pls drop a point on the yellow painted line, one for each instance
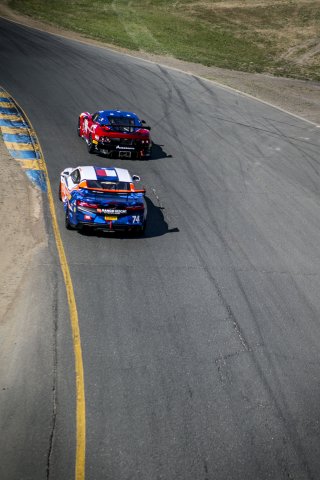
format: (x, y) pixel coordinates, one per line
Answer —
(6, 116)
(80, 391)
(7, 104)
(30, 164)
(14, 130)
(19, 146)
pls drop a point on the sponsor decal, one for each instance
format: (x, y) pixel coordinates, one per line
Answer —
(111, 211)
(120, 147)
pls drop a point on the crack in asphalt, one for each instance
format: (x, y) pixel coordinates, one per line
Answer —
(54, 383)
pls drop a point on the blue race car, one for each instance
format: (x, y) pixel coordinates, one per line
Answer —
(102, 198)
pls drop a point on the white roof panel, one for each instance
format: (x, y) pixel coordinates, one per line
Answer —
(88, 173)
(123, 175)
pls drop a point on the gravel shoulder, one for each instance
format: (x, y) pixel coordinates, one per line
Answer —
(22, 232)
(299, 97)
(28, 281)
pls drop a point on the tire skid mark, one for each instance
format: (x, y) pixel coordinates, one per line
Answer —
(54, 386)
(280, 406)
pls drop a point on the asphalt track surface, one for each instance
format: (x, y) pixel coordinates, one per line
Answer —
(200, 341)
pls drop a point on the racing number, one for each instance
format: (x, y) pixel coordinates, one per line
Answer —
(135, 218)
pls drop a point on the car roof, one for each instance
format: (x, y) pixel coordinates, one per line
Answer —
(118, 113)
(113, 174)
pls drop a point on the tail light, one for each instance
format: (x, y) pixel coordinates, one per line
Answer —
(133, 208)
(80, 203)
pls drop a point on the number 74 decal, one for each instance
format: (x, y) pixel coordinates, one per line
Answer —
(135, 218)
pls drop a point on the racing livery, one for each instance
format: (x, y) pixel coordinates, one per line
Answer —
(102, 197)
(115, 133)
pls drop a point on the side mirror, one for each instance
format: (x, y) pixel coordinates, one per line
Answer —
(143, 121)
(67, 171)
(136, 178)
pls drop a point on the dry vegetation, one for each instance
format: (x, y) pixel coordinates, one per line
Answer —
(290, 27)
(281, 37)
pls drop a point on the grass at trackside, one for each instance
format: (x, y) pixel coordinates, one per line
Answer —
(273, 36)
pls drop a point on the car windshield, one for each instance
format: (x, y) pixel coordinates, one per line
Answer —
(108, 185)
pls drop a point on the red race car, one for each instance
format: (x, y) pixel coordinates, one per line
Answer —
(115, 133)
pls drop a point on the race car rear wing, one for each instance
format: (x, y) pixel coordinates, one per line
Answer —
(128, 192)
(129, 127)
(116, 191)
(132, 189)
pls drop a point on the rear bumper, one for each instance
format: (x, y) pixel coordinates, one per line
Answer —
(123, 150)
(111, 227)
(122, 223)
(82, 217)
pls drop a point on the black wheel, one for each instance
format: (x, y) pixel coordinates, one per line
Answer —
(149, 154)
(78, 129)
(67, 221)
(91, 146)
(139, 231)
(59, 194)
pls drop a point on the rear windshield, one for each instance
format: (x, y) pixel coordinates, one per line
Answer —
(108, 185)
(119, 124)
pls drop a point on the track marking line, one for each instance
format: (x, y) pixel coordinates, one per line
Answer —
(15, 130)
(6, 104)
(30, 164)
(19, 146)
(79, 372)
(11, 117)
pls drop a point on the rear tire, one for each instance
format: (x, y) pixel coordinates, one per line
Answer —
(140, 231)
(91, 146)
(148, 153)
(67, 221)
(59, 194)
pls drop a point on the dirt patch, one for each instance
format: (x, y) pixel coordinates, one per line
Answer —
(22, 230)
(241, 3)
(305, 53)
(300, 97)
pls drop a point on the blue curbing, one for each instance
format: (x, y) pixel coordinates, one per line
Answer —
(31, 160)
